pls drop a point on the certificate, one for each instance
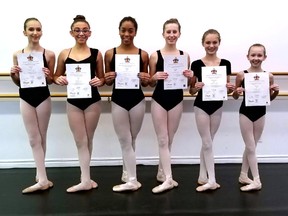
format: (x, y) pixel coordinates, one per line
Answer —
(257, 89)
(214, 79)
(127, 68)
(31, 74)
(174, 66)
(78, 77)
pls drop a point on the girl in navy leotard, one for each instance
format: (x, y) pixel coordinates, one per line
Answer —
(35, 103)
(83, 113)
(208, 113)
(166, 105)
(128, 105)
(252, 119)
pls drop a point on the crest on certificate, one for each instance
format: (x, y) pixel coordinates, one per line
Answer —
(175, 60)
(30, 57)
(78, 68)
(213, 71)
(127, 60)
(256, 77)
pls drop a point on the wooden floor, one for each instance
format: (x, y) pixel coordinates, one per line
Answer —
(272, 200)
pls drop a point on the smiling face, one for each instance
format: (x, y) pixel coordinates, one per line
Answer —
(81, 31)
(211, 43)
(171, 33)
(256, 55)
(127, 32)
(33, 30)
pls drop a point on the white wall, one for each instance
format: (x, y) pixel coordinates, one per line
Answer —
(240, 23)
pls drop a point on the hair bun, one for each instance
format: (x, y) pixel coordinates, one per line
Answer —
(79, 17)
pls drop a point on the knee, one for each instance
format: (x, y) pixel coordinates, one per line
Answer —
(80, 142)
(207, 145)
(125, 143)
(250, 150)
(35, 141)
(163, 142)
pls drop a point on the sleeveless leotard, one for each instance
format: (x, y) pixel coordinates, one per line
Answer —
(207, 106)
(83, 103)
(168, 99)
(251, 112)
(126, 98)
(35, 95)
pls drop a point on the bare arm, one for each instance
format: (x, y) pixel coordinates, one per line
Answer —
(152, 69)
(144, 75)
(15, 69)
(274, 88)
(49, 71)
(230, 86)
(99, 79)
(109, 75)
(238, 88)
(59, 75)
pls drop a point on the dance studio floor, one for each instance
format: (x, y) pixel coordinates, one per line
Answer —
(272, 200)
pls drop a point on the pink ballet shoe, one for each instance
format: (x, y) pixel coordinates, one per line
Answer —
(129, 186)
(207, 187)
(254, 186)
(165, 186)
(161, 177)
(245, 180)
(37, 187)
(82, 187)
(202, 182)
(124, 177)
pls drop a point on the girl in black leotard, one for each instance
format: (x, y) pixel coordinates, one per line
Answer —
(166, 105)
(128, 105)
(83, 113)
(252, 119)
(208, 113)
(35, 103)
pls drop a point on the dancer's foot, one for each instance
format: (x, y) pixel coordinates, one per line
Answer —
(94, 184)
(244, 179)
(124, 177)
(208, 186)
(254, 186)
(129, 186)
(82, 187)
(202, 181)
(165, 186)
(38, 187)
(160, 175)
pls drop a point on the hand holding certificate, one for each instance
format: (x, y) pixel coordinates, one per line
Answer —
(127, 68)
(214, 79)
(175, 65)
(31, 74)
(257, 91)
(78, 76)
